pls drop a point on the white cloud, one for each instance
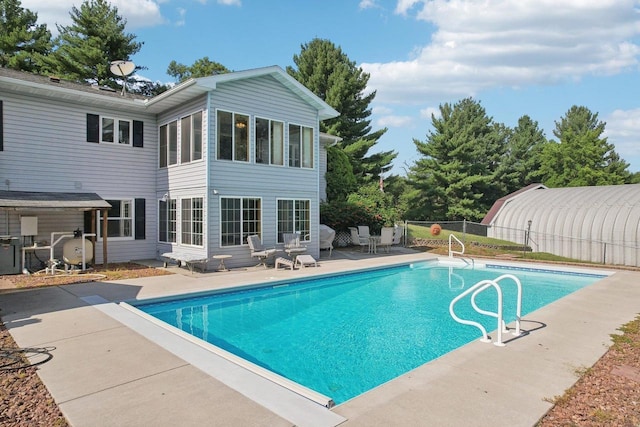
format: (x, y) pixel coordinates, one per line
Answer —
(427, 112)
(182, 13)
(138, 13)
(508, 43)
(230, 2)
(391, 121)
(367, 4)
(623, 130)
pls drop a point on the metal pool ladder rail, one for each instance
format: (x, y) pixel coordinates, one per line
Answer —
(451, 251)
(477, 289)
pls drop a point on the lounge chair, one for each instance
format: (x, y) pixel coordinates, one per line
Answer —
(356, 239)
(259, 251)
(305, 260)
(386, 238)
(327, 234)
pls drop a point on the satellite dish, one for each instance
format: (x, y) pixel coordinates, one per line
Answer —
(122, 68)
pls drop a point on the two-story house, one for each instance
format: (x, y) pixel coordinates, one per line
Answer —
(196, 169)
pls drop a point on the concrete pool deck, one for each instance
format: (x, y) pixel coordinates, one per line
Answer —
(109, 368)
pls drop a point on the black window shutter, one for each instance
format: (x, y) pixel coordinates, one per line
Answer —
(93, 128)
(138, 133)
(87, 221)
(140, 219)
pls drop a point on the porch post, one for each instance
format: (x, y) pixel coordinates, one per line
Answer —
(104, 238)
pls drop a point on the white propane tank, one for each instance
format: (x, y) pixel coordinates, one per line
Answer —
(72, 251)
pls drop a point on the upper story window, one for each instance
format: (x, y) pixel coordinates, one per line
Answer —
(113, 130)
(169, 144)
(269, 142)
(300, 146)
(191, 138)
(233, 136)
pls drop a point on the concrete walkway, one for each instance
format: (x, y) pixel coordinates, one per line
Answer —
(110, 368)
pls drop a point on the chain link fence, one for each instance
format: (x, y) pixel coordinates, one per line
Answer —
(600, 251)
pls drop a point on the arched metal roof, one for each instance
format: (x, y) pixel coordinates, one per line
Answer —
(599, 224)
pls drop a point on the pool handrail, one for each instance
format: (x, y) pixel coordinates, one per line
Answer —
(477, 289)
(451, 251)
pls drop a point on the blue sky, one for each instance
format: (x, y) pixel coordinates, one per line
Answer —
(517, 57)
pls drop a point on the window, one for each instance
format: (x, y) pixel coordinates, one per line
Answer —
(167, 221)
(119, 219)
(300, 146)
(112, 130)
(168, 144)
(233, 136)
(191, 138)
(294, 216)
(239, 218)
(192, 221)
(269, 141)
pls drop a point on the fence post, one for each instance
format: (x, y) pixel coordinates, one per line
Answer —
(604, 253)
(464, 230)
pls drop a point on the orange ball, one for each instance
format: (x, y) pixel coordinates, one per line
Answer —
(435, 229)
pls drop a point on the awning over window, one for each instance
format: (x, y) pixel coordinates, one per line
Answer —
(27, 200)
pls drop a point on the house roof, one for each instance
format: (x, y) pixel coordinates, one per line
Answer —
(53, 87)
(25, 200)
(198, 86)
(23, 82)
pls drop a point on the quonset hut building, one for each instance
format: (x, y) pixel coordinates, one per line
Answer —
(598, 224)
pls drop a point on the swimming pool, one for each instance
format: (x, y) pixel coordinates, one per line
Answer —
(344, 334)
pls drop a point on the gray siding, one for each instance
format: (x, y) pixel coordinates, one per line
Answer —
(45, 149)
(262, 97)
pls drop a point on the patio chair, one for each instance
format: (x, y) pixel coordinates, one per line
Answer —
(356, 239)
(363, 231)
(292, 245)
(398, 233)
(327, 234)
(259, 251)
(386, 238)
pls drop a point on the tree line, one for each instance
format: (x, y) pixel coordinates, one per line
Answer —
(465, 163)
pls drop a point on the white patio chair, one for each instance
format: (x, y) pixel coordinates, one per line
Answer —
(356, 239)
(259, 251)
(386, 238)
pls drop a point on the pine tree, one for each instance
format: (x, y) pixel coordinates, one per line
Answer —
(84, 50)
(582, 156)
(202, 67)
(22, 42)
(457, 176)
(327, 71)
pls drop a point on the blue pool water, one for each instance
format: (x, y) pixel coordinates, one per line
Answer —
(345, 334)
